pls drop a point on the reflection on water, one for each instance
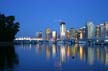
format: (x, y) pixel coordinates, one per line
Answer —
(81, 52)
(47, 52)
(54, 50)
(62, 56)
(8, 58)
(90, 54)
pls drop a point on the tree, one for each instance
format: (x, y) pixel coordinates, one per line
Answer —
(8, 28)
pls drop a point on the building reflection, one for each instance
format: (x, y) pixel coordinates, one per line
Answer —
(90, 55)
(47, 49)
(8, 58)
(98, 54)
(106, 55)
(54, 49)
(74, 49)
(62, 54)
(39, 49)
(102, 55)
(81, 52)
(87, 54)
(68, 51)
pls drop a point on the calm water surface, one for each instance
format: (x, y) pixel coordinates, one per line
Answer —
(61, 57)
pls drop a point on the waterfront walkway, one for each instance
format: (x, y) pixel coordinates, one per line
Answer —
(69, 41)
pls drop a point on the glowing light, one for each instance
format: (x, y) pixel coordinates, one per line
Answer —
(81, 35)
(47, 52)
(54, 50)
(68, 51)
(90, 56)
(106, 60)
(62, 53)
(62, 30)
(81, 52)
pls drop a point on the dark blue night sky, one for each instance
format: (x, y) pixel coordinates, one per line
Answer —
(36, 15)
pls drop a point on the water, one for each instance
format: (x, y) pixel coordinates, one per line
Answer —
(50, 57)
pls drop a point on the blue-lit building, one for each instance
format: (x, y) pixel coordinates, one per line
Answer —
(84, 33)
(90, 29)
(54, 35)
(48, 33)
(98, 32)
(39, 34)
(72, 33)
(106, 30)
(62, 30)
(102, 29)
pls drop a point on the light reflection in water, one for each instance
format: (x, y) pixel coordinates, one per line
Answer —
(62, 54)
(106, 56)
(47, 52)
(54, 50)
(38, 49)
(68, 51)
(88, 54)
(81, 52)
(97, 54)
(73, 50)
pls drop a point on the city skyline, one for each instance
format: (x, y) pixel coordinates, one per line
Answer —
(90, 31)
(54, 35)
(37, 15)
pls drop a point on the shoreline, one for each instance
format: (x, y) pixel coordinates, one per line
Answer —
(13, 43)
(6, 43)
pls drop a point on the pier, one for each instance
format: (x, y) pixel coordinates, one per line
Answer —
(28, 40)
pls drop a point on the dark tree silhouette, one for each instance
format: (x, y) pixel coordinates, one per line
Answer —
(8, 58)
(8, 28)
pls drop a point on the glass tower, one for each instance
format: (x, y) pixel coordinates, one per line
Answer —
(62, 30)
(90, 30)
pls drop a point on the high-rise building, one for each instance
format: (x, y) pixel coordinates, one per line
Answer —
(67, 34)
(54, 35)
(62, 30)
(90, 55)
(106, 29)
(48, 33)
(98, 32)
(90, 30)
(77, 35)
(102, 31)
(81, 33)
(39, 34)
(72, 33)
(84, 33)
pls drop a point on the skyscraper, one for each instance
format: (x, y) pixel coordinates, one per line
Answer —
(98, 32)
(48, 33)
(72, 33)
(80, 33)
(67, 34)
(84, 33)
(77, 35)
(39, 34)
(90, 30)
(62, 30)
(54, 35)
(102, 31)
(106, 29)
